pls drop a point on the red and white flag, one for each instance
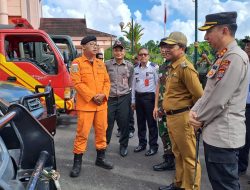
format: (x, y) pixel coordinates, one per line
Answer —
(165, 19)
(165, 14)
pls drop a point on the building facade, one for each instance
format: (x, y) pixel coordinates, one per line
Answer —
(32, 11)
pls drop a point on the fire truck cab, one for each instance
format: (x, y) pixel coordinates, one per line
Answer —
(29, 57)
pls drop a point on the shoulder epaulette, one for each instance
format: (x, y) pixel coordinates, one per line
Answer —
(152, 64)
(184, 65)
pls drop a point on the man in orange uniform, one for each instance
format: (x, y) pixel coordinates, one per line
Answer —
(92, 85)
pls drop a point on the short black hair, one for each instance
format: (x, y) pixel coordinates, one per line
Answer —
(232, 28)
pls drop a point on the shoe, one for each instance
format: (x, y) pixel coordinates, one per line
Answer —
(118, 134)
(131, 134)
(101, 161)
(139, 148)
(123, 151)
(76, 169)
(170, 187)
(168, 164)
(151, 152)
(164, 166)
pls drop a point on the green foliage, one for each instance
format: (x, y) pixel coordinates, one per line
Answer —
(203, 47)
(137, 32)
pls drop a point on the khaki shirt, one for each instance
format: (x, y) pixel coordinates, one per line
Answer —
(89, 79)
(121, 77)
(183, 87)
(222, 107)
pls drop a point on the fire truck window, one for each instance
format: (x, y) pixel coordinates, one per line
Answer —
(37, 52)
(10, 53)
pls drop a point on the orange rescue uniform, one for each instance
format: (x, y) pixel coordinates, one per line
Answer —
(90, 79)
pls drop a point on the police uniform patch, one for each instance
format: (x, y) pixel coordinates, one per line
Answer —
(74, 68)
(222, 69)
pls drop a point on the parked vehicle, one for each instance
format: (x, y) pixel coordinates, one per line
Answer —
(67, 48)
(27, 152)
(29, 57)
(40, 104)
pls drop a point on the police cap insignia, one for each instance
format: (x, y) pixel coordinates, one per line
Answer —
(219, 19)
(118, 44)
(87, 39)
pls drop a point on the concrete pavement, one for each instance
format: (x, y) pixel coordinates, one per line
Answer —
(133, 172)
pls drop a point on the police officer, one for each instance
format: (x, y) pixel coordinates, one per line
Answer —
(143, 95)
(119, 103)
(244, 152)
(183, 89)
(160, 116)
(91, 82)
(221, 110)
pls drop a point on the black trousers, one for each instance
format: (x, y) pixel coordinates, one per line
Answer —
(222, 167)
(144, 113)
(203, 79)
(131, 121)
(244, 151)
(118, 110)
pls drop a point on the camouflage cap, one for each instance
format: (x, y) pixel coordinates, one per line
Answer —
(219, 19)
(176, 38)
(246, 40)
(162, 42)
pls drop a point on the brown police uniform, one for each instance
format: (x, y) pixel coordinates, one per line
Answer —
(90, 79)
(183, 89)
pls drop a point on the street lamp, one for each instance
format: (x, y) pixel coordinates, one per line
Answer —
(196, 32)
(131, 25)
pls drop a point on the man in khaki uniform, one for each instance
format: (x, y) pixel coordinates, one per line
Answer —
(183, 89)
(221, 110)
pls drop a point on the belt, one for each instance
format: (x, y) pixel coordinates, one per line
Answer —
(173, 112)
(144, 93)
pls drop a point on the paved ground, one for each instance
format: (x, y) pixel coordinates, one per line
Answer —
(133, 172)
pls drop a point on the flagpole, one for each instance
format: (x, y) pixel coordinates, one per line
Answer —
(165, 19)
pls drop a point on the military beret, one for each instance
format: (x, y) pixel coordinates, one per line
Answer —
(219, 19)
(88, 39)
(118, 44)
(176, 38)
(246, 40)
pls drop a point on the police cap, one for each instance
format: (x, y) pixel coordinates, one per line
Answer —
(246, 40)
(219, 19)
(88, 39)
(176, 38)
(118, 44)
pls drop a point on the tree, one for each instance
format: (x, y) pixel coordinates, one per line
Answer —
(137, 31)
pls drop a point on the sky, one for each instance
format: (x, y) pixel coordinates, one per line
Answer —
(105, 15)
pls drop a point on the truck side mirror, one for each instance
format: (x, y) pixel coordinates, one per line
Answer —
(66, 57)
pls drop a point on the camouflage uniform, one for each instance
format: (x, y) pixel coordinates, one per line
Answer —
(162, 122)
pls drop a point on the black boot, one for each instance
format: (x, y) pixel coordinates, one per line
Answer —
(168, 163)
(76, 169)
(101, 161)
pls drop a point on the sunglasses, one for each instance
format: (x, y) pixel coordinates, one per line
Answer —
(143, 54)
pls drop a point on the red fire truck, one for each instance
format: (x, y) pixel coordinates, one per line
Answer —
(29, 57)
